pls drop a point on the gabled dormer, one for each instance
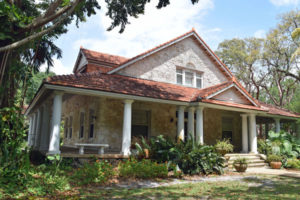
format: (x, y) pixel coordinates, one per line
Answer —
(89, 61)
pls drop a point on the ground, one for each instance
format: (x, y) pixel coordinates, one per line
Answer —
(255, 187)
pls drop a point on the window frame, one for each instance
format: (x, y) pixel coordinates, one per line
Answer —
(81, 125)
(197, 75)
(70, 127)
(91, 123)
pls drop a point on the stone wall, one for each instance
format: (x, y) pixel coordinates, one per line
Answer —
(109, 121)
(161, 66)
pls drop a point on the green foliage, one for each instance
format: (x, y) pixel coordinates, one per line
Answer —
(274, 158)
(144, 169)
(224, 146)
(95, 172)
(190, 158)
(240, 161)
(292, 163)
(14, 160)
(283, 144)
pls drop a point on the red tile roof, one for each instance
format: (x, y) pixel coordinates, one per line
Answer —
(103, 57)
(275, 110)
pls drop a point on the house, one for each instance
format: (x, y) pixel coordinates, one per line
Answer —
(176, 89)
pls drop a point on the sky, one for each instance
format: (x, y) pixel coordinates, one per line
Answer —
(214, 21)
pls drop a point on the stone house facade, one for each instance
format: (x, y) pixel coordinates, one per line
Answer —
(179, 89)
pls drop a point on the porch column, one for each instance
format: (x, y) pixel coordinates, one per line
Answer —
(244, 133)
(253, 135)
(191, 122)
(29, 131)
(180, 123)
(298, 130)
(44, 136)
(55, 125)
(277, 124)
(38, 129)
(33, 129)
(199, 125)
(126, 142)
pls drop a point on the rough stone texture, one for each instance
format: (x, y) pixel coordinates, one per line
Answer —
(109, 121)
(213, 127)
(162, 66)
(232, 95)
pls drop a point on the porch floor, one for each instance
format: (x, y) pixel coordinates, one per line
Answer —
(71, 152)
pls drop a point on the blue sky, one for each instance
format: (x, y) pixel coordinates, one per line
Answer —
(214, 20)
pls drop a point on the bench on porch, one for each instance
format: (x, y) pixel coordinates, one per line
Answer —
(100, 147)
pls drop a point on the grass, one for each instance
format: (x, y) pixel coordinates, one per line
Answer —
(265, 187)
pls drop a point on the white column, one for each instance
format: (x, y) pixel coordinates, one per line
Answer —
(44, 137)
(298, 130)
(180, 123)
(55, 125)
(253, 135)
(33, 130)
(191, 122)
(126, 142)
(38, 129)
(29, 131)
(244, 133)
(199, 125)
(277, 124)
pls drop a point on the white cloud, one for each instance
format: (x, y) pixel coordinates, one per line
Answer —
(153, 28)
(285, 2)
(58, 68)
(260, 33)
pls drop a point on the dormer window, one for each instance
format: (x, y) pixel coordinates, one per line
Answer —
(189, 78)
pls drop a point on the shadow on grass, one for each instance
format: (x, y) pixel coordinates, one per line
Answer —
(261, 188)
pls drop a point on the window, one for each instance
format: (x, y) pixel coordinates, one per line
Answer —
(179, 76)
(66, 127)
(199, 80)
(81, 131)
(70, 126)
(91, 122)
(227, 128)
(189, 78)
(140, 123)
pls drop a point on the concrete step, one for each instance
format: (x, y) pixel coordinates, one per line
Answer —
(252, 165)
(247, 157)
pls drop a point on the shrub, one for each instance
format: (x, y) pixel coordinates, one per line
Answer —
(224, 146)
(96, 172)
(240, 161)
(263, 147)
(292, 163)
(274, 158)
(143, 169)
(190, 158)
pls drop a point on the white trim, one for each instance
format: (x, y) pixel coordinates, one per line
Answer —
(148, 99)
(228, 87)
(167, 45)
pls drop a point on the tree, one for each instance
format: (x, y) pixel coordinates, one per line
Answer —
(243, 57)
(262, 64)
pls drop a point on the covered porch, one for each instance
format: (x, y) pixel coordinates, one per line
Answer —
(116, 119)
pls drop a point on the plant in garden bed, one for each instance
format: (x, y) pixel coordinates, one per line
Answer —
(240, 164)
(224, 146)
(292, 163)
(275, 161)
(95, 172)
(143, 169)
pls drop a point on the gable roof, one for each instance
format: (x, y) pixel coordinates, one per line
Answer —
(224, 69)
(99, 58)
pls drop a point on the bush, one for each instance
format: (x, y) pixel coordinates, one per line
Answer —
(143, 169)
(224, 146)
(96, 172)
(190, 158)
(292, 163)
(240, 161)
(263, 147)
(274, 158)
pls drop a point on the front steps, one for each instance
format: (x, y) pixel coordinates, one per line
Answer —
(254, 160)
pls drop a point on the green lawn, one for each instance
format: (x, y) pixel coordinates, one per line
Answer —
(271, 188)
